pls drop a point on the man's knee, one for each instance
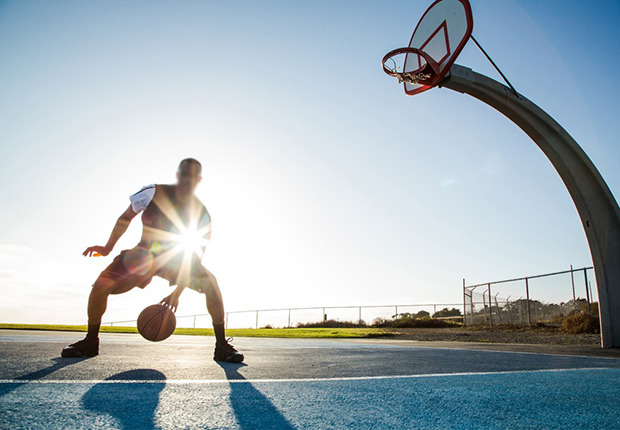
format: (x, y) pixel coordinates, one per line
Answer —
(109, 286)
(207, 284)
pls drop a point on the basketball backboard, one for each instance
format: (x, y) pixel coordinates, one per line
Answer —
(441, 34)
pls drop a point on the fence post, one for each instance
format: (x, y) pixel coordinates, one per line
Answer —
(464, 305)
(289, 318)
(585, 277)
(472, 305)
(194, 321)
(499, 314)
(572, 281)
(527, 295)
(509, 309)
(490, 305)
(256, 319)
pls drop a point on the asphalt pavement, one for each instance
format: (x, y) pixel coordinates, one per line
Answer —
(300, 383)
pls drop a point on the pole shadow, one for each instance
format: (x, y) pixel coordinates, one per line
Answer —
(58, 363)
(252, 409)
(132, 404)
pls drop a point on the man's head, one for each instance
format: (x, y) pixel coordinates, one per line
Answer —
(188, 177)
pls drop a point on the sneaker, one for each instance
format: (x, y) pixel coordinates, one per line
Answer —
(226, 352)
(84, 348)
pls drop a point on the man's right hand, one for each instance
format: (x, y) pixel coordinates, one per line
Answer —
(101, 250)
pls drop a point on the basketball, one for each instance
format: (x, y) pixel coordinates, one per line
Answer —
(156, 322)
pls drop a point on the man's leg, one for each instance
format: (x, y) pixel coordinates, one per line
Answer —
(215, 305)
(97, 304)
(98, 301)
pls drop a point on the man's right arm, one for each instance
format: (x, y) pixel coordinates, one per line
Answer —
(119, 229)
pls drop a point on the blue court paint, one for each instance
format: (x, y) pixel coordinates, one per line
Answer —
(583, 398)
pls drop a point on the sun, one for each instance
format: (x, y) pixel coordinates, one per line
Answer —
(191, 241)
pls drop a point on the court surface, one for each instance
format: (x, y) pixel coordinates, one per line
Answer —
(295, 383)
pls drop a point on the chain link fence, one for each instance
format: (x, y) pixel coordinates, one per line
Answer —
(532, 299)
(521, 301)
(291, 317)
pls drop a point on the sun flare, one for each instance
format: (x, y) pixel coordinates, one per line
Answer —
(192, 241)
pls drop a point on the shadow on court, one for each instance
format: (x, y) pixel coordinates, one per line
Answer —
(133, 405)
(58, 363)
(252, 409)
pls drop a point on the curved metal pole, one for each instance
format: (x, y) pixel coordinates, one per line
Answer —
(595, 203)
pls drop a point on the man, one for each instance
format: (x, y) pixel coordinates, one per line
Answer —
(175, 226)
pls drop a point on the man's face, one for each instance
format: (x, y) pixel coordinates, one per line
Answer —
(188, 178)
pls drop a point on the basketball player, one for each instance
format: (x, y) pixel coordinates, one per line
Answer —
(167, 212)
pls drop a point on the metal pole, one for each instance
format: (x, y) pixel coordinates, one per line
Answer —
(499, 316)
(256, 319)
(324, 316)
(527, 297)
(572, 281)
(595, 203)
(472, 305)
(289, 319)
(360, 315)
(509, 309)
(434, 310)
(464, 305)
(490, 306)
(395, 311)
(494, 65)
(585, 277)
(194, 321)
(484, 304)
(226, 320)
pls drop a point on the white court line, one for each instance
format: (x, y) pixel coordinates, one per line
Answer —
(247, 381)
(447, 348)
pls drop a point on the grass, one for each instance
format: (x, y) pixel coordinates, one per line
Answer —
(261, 332)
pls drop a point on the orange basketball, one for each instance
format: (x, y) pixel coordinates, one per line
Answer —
(156, 322)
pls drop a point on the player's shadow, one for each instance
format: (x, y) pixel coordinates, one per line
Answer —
(58, 363)
(132, 404)
(252, 408)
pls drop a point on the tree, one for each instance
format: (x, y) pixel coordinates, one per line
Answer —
(445, 312)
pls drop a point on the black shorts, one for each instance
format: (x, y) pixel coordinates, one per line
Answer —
(136, 267)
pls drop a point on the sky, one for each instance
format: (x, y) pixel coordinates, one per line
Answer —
(327, 185)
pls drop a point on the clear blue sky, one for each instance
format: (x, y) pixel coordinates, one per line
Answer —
(326, 184)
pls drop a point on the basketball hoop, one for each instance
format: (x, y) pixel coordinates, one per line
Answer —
(438, 39)
(427, 74)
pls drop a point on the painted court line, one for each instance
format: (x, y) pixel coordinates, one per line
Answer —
(247, 381)
(547, 354)
(498, 351)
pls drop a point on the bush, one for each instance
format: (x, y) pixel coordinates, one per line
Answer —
(580, 322)
(408, 321)
(404, 320)
(445, 312)
(333, 324)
